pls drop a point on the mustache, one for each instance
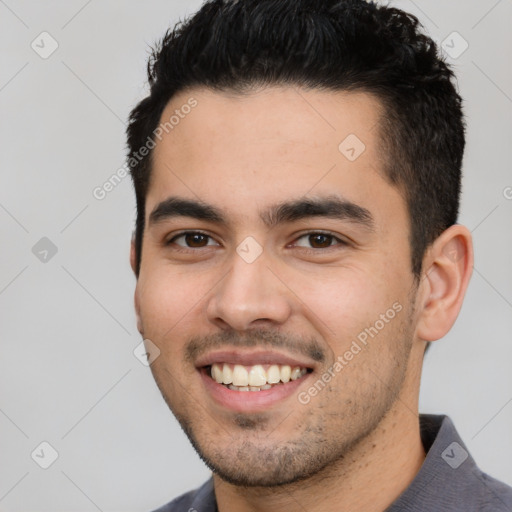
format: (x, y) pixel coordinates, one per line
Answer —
(305, 346)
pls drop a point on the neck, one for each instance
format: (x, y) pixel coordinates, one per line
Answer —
(368, 478)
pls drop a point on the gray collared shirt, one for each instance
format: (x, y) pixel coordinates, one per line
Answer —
(448, 481)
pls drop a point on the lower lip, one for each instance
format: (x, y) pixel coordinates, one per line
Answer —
(249, 401)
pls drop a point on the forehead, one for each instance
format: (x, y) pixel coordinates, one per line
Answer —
(285, 119)
(240, 150)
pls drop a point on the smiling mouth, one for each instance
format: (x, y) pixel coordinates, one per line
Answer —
(258, 377)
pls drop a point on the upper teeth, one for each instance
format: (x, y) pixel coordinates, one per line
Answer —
(256, 375)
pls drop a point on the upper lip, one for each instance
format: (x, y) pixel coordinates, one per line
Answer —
(247, 358)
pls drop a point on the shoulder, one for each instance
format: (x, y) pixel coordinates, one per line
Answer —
(198, 500)
(449, 479)
(473, 487)
(493, 495)
(181, 503)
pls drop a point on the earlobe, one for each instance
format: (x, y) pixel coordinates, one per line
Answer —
(449, 264)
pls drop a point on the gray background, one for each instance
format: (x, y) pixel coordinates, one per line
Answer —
(68, 375)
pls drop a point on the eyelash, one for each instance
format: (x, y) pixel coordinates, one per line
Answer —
(306, 249)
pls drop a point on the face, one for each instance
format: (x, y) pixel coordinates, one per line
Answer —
(275, 279)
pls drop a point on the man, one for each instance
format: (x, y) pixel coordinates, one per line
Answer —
(297, 171)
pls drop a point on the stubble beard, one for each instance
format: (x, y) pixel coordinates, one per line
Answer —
(254, 457)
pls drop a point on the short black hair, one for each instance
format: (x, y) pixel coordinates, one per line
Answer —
(330, 45)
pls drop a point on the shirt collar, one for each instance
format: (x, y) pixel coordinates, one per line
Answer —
(447, 470)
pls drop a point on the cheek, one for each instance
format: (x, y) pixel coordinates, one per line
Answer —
(168, 303)
(341, 303)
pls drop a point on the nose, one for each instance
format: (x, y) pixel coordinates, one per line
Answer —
(250, 295)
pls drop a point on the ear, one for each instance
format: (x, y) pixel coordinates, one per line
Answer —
(133, 253)
(133, 264)
(448, 265)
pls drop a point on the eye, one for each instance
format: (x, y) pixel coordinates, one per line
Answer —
(318, 240)
(192, 240)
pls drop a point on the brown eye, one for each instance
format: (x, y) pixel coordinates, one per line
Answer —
(192, 240)
(318, 241)
(196, 239)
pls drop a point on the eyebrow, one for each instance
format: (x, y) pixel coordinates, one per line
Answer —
(331, 206)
